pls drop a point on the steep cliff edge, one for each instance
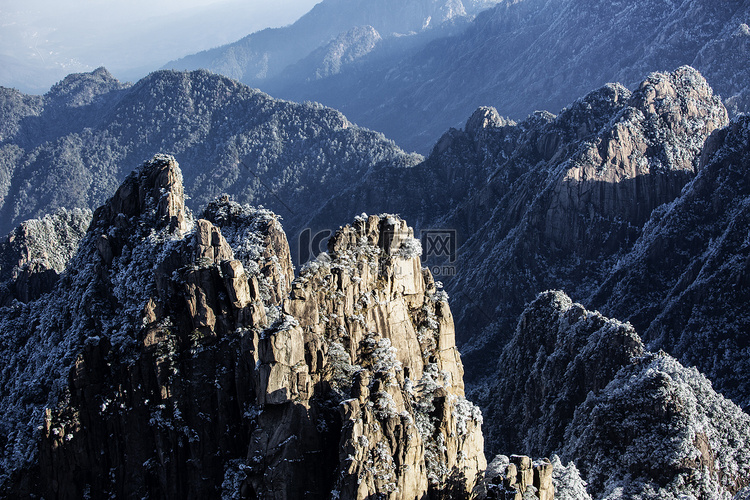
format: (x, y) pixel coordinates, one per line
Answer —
(176, 358)
(384, 321)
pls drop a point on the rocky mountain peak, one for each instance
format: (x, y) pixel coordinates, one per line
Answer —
(590, 113)
(81, 89)
(637, 423)
(153, 193)
(369, 309)
(221, 376)
(685, 104)
(484, 117)
(257, 239)
(563, 341)
(573, 190)
(646, 151)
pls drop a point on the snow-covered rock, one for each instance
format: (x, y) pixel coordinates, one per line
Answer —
(175, 358)
(694, 256)
(636, 424)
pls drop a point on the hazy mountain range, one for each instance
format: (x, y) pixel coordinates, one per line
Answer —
(519, 56)
(261, 56)
(41, 42)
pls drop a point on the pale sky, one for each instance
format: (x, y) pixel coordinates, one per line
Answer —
(43, 40)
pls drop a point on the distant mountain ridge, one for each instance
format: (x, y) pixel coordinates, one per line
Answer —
(68, 148)
(264, 54)
(522, 56)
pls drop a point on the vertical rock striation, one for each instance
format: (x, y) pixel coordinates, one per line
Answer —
(695, 254)
(188, 364)
(383, 314)
(574, 195)
(517, 477)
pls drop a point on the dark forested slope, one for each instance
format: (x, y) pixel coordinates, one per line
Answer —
(70, 147)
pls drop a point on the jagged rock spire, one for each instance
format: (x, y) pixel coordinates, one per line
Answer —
(154, 191)
(187, 366)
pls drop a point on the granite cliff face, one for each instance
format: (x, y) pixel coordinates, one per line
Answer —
(637, 424)
(695, 254)
(552, 201)
(186, 362)
(574, 193)
(381, 320)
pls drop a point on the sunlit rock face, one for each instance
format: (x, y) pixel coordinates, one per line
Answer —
(573, 196)
(694, 256)
(188, 362)
(379, 334)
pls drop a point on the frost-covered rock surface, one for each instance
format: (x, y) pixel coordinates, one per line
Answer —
(97, 301)
(559, 353)
(635, 424)
(519, 477)
(567, 481)
(379, 318)
(175, 358)
(659, 430)
(33, 255)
